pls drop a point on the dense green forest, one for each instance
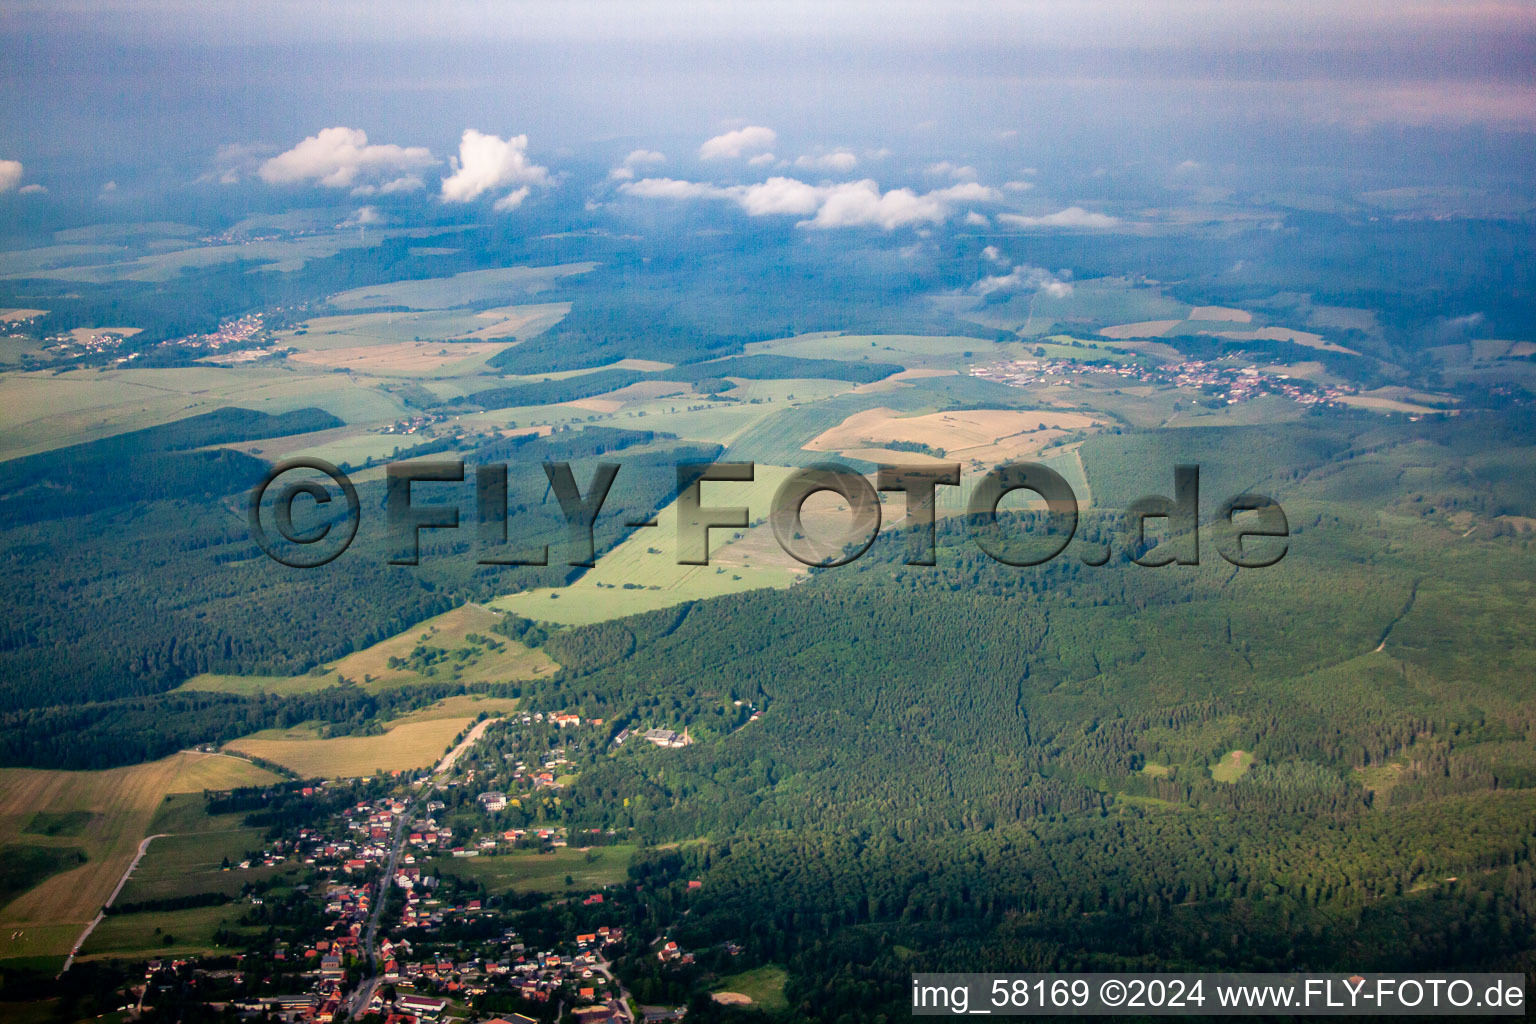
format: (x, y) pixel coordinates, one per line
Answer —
(973, 766)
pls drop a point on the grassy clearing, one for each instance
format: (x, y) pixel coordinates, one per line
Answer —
(1232, 766)
(162, 933)
(764, 986)
(371, 668)
(414, 741)
(642, 573)
(527, 871)
(46, 919)
(189, 857)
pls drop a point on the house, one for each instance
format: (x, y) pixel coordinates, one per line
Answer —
(493, 801)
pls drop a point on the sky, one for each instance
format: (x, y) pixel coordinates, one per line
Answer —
(156, 90)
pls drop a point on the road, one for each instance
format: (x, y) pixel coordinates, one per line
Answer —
(357, 1005)
(69, 961)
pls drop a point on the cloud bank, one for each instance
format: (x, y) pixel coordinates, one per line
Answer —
(732, 145)
(343, 158)
(1021, 278)
(844, 205)
(486, 163)
(1071, 217)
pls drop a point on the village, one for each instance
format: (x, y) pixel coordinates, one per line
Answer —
(1224, 384)
(378, 930)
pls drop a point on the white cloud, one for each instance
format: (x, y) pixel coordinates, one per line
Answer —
(672, 188)
(637, 158)
(762, 160)
(32, 190)
(1024, 278)
(731, 145)
(968, 192)
(995, 254)
(644, 157)
(10, 174)
(236, 160)
(1018, 186)
(362, 217)
(848, 204)
(862, 204)
(1071, 217)
(779, 196)
(1186, 167)
(950, 169)
(840, 160)
(487, 162)
(511, 201)
(343, 158)
(109, 188)
(977, 220)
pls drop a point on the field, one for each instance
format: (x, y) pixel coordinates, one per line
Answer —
(1232, 767)
(988, 436)
(188, 858)
(527, 871)
(763, 988)
(161, 933)
(465, 289)
(418, 740)
(642, 574)
(46, 920)
(371, 667)
(403, 357)
(41, 411)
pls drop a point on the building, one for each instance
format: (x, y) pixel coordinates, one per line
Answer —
(668, 738)
(493, 801)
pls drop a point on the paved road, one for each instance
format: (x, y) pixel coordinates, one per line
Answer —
(69, 961)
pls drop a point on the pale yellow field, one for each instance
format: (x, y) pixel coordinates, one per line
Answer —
(81, 335)
(10, 315)
(47, 920)
(1144, 329)
(521, 321)
(447, 631)
(640, 391)
(399, 357)
(418, 740)
(1380, 404)
(1306, 338)
(990, 436)
(1219, 313)
(370, 666)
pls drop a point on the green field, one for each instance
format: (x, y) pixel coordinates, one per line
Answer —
(371, 667)
(118, 806)
(1232, 766)
(763, 985)
(642, 573)
(163, 933)
(526, 871)
(189, 857)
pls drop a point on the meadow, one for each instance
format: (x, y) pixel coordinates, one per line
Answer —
(371, 667)
(529, 871)
(763, 988)
(120, 804)
(414, 741)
